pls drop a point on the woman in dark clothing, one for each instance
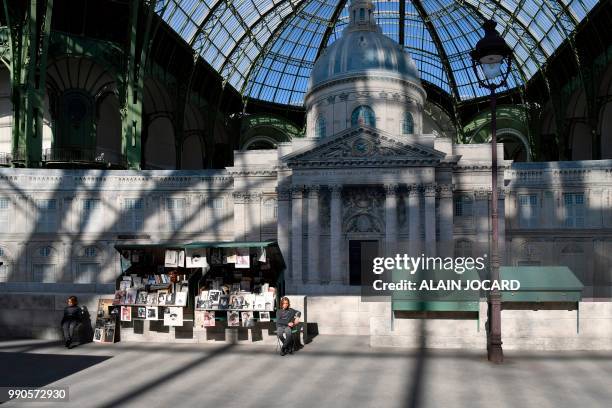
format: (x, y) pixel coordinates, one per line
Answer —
(73, 315)
(286, 319)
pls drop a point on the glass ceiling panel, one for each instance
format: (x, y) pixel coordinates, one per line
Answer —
(266, 48)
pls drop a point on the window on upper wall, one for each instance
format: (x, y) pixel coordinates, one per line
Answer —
(363, 115)
(87, 273)
(45, 252)
(218, 203)
(574, 210)
(47, 215)
(90, 252)
(408, 124)
(528, 205)
(320, 127)
(463, 206)
(43, 273)
(4, 213)
(90, 207)
(175, 213)
(132, 214)
(270, 209)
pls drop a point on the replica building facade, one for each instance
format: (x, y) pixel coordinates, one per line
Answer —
(373, 176)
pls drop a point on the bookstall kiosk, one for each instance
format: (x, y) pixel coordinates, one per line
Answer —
(197, 292)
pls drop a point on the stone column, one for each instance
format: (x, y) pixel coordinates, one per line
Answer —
(430, 219)
(335, 228)
(414, 235)
(297, 193)
(446, 244)
(283, 195)
(314, 275)
(391, 219)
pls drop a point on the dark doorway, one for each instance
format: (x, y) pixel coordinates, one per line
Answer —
(361, 255)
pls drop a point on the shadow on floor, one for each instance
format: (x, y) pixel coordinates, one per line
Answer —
(37, 370)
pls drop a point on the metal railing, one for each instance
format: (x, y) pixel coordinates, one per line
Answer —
(6, 159)
(79, 155)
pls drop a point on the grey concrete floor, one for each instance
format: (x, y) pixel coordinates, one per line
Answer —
(332, 371)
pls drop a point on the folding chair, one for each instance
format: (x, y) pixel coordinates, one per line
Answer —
(295, 331)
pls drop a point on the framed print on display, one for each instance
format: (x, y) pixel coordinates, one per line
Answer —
(126, 313)
(173, 316)
(209, 318)
(264, 316)
(151, 313)
(233, 319)
(141, 312)
(161, 297)
(98, 335)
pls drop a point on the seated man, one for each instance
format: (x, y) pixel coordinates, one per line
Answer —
(73, 315)
(286, 319)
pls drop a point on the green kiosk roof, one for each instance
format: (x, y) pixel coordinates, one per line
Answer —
(542, 284)
(202, 244)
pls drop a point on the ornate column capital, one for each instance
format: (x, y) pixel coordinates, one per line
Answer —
(283, 193)
(430, 190)
(254, 197)
(414, 190)
(240, 197)
(446, 190)
(313, 190)
(481, 194)
(336, 190)
(391, 189)
(297, 192)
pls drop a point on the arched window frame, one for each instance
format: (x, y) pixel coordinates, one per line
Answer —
(363, 115)
(320, 127)
(270, 209)
(408, 124)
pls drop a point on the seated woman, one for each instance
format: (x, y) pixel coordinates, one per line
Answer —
(286, 319)
(73, 315)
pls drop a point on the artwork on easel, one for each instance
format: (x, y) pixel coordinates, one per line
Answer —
(98, 335)
(109, 334)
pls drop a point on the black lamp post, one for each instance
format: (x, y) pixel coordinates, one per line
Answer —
(491, 61)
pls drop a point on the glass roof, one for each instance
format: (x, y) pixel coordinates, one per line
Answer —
(266, 48)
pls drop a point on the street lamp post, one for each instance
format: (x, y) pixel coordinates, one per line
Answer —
(491, 61)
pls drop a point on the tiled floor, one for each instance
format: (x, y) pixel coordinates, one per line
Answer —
(332, 371)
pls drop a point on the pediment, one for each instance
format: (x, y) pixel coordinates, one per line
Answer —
(364, 146)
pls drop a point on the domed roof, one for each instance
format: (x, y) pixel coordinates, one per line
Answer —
(362, 51)
(266, 49)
